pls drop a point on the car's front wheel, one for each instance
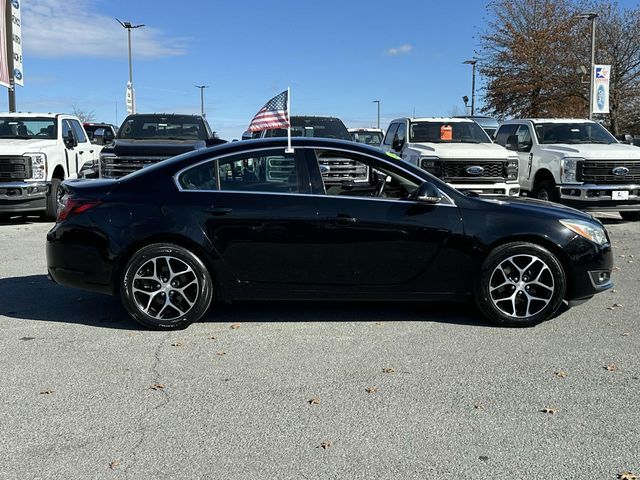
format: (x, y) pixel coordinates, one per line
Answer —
(166, 287)
(520, 284)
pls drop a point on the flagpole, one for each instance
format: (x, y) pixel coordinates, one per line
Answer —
(289, 148)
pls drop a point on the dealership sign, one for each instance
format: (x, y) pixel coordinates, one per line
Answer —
(16, 27)
(600, 100)
(11, 43)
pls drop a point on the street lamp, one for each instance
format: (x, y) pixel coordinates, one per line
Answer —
(472, 62)
(129, 26)
(591, 16)
(465, 99)
(202, 87)
(378, 102)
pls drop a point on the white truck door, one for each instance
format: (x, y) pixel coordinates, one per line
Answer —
(84, 151)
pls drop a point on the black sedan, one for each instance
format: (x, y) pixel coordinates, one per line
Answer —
(330, 220)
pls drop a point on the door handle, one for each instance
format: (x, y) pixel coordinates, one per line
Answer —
(219, 210)
(344, 218)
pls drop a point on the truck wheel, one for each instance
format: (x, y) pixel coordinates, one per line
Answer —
(520, 284)
(51, 211)
(166, 287)
(630, 216)
(546, 190)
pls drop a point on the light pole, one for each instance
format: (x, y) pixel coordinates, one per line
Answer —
(591, 16)
(202, 87)
(129, 26)
(378, 102)
(472, 62)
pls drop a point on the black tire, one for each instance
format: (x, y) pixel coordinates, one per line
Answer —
(166, 308)
(51, 211)
(546, 190)
(495, 301)
(630, 216)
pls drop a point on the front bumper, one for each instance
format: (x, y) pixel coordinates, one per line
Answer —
(18, 197)
(501, 188)
(600, 197)
(589, 269)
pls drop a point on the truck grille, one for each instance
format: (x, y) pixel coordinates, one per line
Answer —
(116, 167)
(456, 170)
(14, 168)
(601, 171)
(343, 169)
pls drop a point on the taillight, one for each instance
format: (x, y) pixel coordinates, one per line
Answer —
(69, 207)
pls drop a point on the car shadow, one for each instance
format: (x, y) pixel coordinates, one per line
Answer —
(36, 298)
(23, 220)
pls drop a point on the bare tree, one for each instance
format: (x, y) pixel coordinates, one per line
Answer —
(83, 115)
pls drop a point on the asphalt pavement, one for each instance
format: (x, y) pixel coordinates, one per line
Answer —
(313, 390)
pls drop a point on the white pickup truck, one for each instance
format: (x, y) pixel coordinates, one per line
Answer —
(37, 152)
(576, 162)
(457, 150)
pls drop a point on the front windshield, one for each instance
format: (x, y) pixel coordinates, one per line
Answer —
(368, 138)
(586, 132)
(28, 127)
(447, 132)
(174, 127)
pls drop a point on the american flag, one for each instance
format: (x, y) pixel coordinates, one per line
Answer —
(273, 115)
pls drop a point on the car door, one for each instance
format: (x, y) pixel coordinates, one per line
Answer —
(377, 239)
(70, 149)
(85, 151)
(256, 211)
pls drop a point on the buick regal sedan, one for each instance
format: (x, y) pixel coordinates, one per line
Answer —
(251, 221)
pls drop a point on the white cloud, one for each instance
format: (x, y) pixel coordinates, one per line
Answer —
(401, 50)
(54, 28)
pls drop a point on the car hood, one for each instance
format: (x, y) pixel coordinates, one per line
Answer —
(17, 146)
(153, 147)
(594, 150)
(533, 206)
(461, 150)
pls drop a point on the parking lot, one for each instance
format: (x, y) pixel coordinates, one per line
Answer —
(310, 390)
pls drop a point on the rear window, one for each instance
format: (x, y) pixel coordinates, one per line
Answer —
(313, 127)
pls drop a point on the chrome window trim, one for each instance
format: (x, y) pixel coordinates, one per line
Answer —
(217, 158)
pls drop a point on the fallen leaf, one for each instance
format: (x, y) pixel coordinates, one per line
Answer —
(629, 261)
(176, 344)
(549, 410)
(388, 370)
(371, 389)
(314, 400)
(626, 334)
(27, 338)
(235, 326)
(614, 291)
(479, 406)
(610, 308)
(483, 458)
(114, 464)
(211, 338)
(617, 305)
(47, 392)
(611, 367)
(616, 268)
(561, 374)
(325, 445)
(627, 476)
(379, 323)
(157, 386)
(220, 353)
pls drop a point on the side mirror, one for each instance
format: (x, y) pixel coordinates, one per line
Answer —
(398, 144)
(512, 143)
(108, 136)
(428, 193)
(70, 140)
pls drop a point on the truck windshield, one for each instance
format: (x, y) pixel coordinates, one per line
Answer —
(174, 127)
(438, 132)
(574, 132)
(313, 127)
(28, 127)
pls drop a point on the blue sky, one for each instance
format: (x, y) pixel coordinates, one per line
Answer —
(337, 57)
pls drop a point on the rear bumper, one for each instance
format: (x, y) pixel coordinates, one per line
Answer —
(17, 197)
(600, 197)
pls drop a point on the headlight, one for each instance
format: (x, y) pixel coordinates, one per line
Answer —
(512, 169)
(588, 230)
(568, 170)
(38, 165)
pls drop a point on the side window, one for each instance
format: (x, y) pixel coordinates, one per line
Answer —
(349, 174)
(401, 135)
(504, 132)
(393, 128)
(79, 131)
(271, 171)
(200, 177)
(66, 128)
(524, 138)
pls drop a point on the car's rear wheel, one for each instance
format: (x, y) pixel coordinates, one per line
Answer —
(546, 190)
(630, 216)
(520, 284)
(166, 287)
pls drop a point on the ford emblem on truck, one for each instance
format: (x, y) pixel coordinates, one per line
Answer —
(475, 170)
(620, 171)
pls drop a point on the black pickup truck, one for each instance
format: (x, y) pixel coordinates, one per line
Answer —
(145, 139)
